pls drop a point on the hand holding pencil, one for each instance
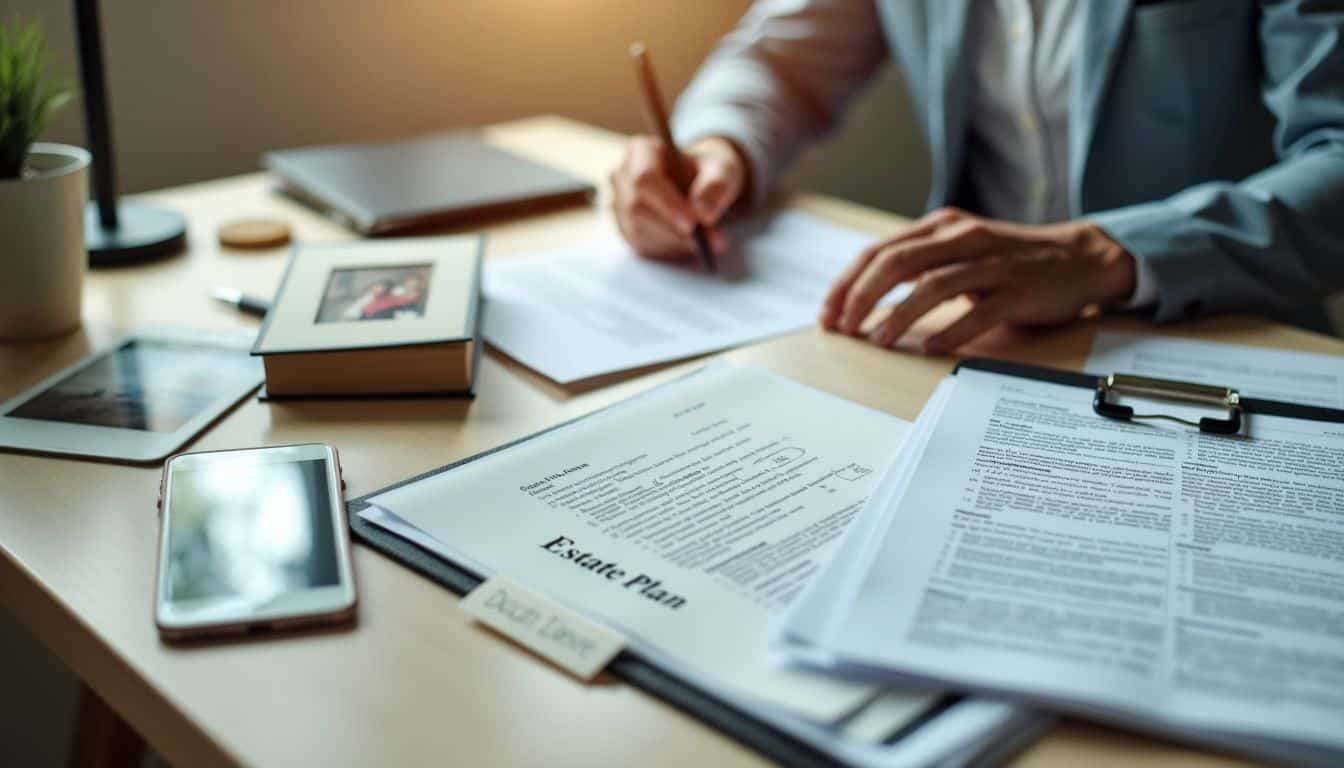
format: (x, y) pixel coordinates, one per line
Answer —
(668, 204)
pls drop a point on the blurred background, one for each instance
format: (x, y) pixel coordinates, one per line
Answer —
(199, 90)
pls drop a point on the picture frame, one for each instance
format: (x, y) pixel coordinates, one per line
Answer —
(369, 295)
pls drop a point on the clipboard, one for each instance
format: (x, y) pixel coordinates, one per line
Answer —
(1102, 386)
(766, 738)
(1099, 386)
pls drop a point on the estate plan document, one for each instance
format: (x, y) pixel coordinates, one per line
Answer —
(1148, 573)
(688, 518)
(597, 308)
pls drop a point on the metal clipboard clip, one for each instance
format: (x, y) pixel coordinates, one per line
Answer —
(1128, 384)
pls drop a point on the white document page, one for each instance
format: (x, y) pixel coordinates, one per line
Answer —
(688, 517)
(597, 308)
(1150, 571)
(814, 616)
(1273, 374)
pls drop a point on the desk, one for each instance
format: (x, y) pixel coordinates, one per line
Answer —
(415, 683)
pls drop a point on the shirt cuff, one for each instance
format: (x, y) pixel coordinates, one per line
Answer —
(1145, 287)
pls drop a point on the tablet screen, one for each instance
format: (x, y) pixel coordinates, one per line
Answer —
(148, 385)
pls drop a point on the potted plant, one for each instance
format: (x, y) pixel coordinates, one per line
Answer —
(43, 191)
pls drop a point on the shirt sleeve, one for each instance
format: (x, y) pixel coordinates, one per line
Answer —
(1273, 241)
(781, 78)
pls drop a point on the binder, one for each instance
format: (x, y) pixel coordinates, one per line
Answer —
(765, 737)
(1100, 386)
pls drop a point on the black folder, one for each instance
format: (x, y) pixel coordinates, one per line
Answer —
(768, 739)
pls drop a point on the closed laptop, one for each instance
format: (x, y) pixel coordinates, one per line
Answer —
(435, 180)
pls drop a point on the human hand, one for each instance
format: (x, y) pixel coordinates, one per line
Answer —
(1014, 274)
(654, 217)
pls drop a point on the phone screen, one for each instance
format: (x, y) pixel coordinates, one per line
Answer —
(251, 527)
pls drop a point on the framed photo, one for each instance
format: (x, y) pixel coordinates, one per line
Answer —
(370, 294)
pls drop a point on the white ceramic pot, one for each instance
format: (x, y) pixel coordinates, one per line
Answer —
(42, 253)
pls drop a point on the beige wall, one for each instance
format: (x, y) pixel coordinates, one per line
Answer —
(199, 88)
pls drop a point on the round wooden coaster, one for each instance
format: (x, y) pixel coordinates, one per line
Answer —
(254, 233)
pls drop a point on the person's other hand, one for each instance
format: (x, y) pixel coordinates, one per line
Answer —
(1014, 274)
(655, 218)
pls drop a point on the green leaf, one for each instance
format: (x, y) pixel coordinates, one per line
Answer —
(28, 98)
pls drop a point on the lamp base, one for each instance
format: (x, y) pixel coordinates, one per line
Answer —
(143, 233)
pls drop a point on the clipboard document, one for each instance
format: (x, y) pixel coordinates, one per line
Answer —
(1149, 573)
(598, 308)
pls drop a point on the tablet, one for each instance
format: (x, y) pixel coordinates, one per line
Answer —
(140, 400)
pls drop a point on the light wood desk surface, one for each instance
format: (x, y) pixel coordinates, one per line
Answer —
(415, 683)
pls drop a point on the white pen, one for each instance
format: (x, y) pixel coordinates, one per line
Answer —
(249, 304)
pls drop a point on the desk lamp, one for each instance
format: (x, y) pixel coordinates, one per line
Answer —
(129, 231)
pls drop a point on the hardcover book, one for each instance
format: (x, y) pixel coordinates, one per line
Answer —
(392, 317)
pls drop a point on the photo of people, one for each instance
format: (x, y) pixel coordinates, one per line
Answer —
(375, 293)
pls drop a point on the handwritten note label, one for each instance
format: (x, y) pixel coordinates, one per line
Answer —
(578, 645)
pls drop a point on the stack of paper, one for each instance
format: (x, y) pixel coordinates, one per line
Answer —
(1153, 576)
(598, 308)
(688, 519)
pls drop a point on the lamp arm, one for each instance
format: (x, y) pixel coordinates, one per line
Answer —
(96, 123)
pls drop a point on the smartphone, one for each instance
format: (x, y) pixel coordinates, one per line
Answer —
(252, 540)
